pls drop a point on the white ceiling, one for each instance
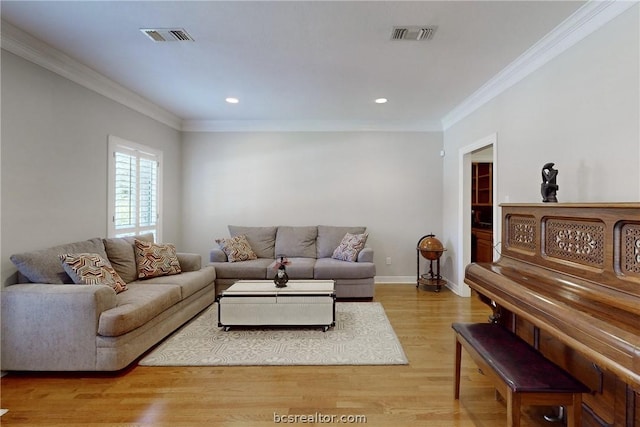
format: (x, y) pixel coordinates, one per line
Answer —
(295, 61)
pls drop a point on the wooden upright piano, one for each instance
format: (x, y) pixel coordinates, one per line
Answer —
(568, 282)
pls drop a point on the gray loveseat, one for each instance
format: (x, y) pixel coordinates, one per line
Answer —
(54, 325)
(309, 249)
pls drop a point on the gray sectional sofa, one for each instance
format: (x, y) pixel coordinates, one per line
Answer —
(54, 325)
(309, 250)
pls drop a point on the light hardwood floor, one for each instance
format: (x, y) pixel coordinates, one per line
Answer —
(418, 394)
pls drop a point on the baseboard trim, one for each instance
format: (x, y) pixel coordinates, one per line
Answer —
(404, 280)
(394, 279)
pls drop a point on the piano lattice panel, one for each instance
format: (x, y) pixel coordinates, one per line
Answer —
(576, 241)
(631, 248)
(522, 232)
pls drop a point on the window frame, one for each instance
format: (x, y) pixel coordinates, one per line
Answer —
(120, 145)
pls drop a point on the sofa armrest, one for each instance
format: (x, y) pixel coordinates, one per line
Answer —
(189, 262)
(52, 327)
(217, 255)
(365, 255)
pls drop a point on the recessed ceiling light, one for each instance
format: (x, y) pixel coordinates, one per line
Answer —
(381, 101)
(232, 100)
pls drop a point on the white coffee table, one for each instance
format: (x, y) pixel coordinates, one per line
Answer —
(261, 303)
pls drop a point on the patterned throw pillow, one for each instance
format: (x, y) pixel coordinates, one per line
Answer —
(92, 269)
(350, 247)
(237, 248)
(155, 260)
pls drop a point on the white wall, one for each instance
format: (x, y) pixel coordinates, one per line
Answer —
(389, 182)
(54, 160)
(580, 111)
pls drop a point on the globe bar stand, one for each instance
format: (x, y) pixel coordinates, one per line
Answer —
(431, 249)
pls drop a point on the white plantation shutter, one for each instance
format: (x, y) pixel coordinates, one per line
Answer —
(134, 189)
(125, 186)
(148, 174)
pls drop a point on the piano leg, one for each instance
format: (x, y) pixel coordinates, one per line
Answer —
(497, 312)
(495, 308)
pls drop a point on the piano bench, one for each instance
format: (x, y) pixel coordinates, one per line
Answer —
(521, 374)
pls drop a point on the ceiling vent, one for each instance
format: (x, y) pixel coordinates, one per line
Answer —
(167, 34)
(416, 33)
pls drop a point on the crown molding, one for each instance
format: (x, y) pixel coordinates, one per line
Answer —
(583, 22)
(309, 126)
(590, 17)
(20, 43)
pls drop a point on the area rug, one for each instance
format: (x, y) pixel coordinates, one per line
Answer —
(362, 336)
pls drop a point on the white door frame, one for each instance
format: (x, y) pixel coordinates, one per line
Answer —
(464, 206)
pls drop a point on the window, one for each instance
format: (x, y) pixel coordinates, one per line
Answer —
(134, 189)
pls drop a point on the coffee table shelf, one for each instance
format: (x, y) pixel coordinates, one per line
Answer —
(259, 303)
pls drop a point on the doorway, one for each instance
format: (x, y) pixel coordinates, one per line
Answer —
(485, 149)
(482, 205)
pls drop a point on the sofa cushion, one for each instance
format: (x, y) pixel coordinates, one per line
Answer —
(141, 303)
(155, 260)
(92, 269)
(329, 268)
(261, 239)
(122, 255)
(189, 261)
(329, 237)
(44, 266)
(294, 242)
(298, 268)
(252, 269)
(189, 282)
(237, 248)
(350, 247)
